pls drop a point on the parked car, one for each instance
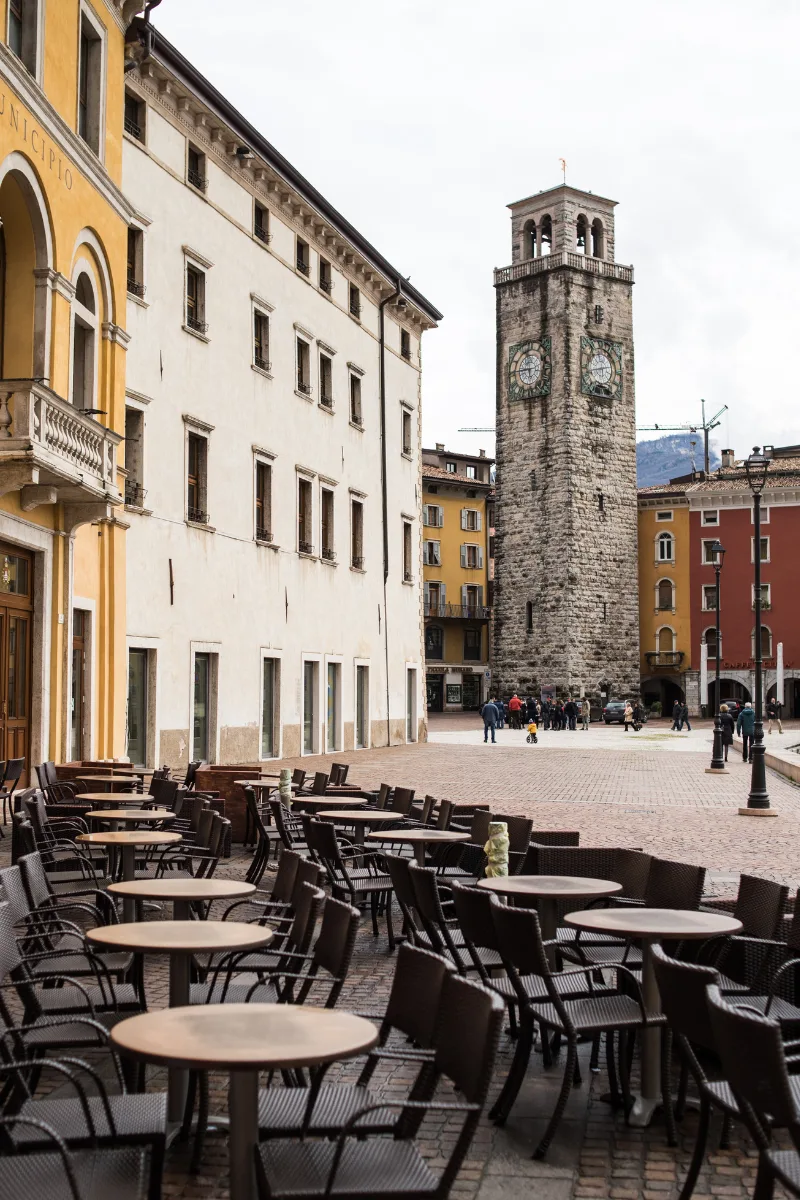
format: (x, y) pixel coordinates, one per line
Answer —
(614, 712)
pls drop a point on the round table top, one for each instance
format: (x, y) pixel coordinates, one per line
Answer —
(560, 887)
(244, 1036)
(256, 783)
(678, 923)
(183, 889)
(182, 937)
(332, 802)
(130, 837)
(114, 798)
(108, 776)
(417, 835)
(344, 814)
(131, 814)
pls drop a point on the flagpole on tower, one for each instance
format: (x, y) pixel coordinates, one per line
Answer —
(563, 162)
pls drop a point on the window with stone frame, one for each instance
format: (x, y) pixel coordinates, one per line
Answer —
(356, 414)
(405, 430)
(197, 479)
(303, 366)
(135, 116)
(134, 457)
(433, 515)
(357, 535)
(136, 262)
(305, 514)
(90, 81)
(261, 357)
(326, 380)
(709, 597)
(263, 488)
(473, 643)
(408, 563)
(665, 548)
(666, 595)
(327, 523)
(434, 643)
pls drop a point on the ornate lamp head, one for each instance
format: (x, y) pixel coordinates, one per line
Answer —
(756, 467)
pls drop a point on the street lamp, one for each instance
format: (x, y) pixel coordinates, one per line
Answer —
(756, 467)
(717, 756)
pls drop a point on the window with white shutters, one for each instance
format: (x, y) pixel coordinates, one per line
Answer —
(471, 519)
(471, 556)
(433, 515)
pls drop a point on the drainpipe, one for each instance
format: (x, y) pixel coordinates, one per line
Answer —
(384, 492)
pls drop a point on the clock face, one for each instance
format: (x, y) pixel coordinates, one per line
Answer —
(529, 370)
(601, 368)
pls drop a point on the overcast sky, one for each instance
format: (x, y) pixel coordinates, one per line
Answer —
(420, 120)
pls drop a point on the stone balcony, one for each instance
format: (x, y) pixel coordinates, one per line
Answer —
(665, 659)
(52, 452)
(564, 258)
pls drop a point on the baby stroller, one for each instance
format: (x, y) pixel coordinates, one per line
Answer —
(532, 731)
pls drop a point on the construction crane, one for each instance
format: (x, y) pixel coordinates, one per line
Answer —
(477, 429)
(705, 425)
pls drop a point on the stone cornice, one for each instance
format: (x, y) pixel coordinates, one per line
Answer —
(116, 334)
(34, 99)
(57, 282)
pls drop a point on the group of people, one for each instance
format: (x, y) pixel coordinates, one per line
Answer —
(680, 717)
(519, 712)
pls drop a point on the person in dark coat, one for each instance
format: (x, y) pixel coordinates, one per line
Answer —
(676, 716)
(638, 716)
(571, 713)
(489, 715)
(685, 717)
(545, 714)
(727, 723)
(746, 725)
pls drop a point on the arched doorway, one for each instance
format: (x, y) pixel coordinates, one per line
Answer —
(729, 689)
(663, 691)
(26, 257)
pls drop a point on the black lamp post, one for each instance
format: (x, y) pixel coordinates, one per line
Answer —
(756, 467)
(717, 756)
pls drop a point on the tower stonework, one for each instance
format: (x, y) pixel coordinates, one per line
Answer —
(566, 588)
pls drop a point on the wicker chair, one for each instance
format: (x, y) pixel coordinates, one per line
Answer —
(765, 1091)
(65, 1175)
(267, 837)
(745, 961)
(524, 954)
(362, 1163)
(294, 1112)
(443, 931)
(398, 868)
(354, 874)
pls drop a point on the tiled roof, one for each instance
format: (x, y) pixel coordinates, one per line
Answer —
(783, 472)
(429, 472)
(663, 489)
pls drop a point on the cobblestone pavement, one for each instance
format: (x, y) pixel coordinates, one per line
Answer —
(661, 801)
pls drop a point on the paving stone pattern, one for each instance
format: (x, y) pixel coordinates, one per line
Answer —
(668, 805)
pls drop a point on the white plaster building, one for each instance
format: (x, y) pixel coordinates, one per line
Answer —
(274, 594)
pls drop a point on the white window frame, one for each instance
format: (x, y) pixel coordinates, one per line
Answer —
(362, 662)
(91, 319)
(327, 485)
(707, 562)
(356, 373)
(213, 649)
(659, 538)
(309, 477)
(151, 646)
(666, 514)
(326, 351)
(261, 307)
(671, 582)
(478, 548)
(270, 653)
(335, 660)
(357, 498)
(202, 265)
(302, 336)
(319, 707)
(771, 641)
(478, 516)
(764, 538)
(101, 32)
(408, 524)
(138, 406)
(201, 429)
(764, 515)
(706, 514)
(406, 415)
(260, 455)
(140, 224)
(713, 629)
(659, 631)
(36, 6)
(439, 524)
(765, 587)
(709, 587)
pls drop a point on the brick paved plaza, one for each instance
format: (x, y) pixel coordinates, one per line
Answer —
(649, 792)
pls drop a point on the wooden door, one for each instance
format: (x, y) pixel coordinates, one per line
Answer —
(16, 622)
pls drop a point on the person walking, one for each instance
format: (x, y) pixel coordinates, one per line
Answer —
(676, 716)
(638, 717)
(746, 725)
(571, 713)
(774, 710)
(489, 715)
(586, 712)
(727, 725)
(685, 717)
(627, 716)
(501, 713)
(514, 708)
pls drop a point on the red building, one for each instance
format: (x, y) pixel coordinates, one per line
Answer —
(721, 507)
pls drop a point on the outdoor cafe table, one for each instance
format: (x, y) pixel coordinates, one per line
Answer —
(183, 892)
(137, 816)
(358, 818)
(129, 841)
(327, 802)
(649, 926)
(110, 782)
(116, 799)
(244, 1039)
(418, 839)
(181, 940)
(547, 890)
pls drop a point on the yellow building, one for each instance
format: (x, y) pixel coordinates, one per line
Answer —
(455, 556)
(664, 613)
(63, 263)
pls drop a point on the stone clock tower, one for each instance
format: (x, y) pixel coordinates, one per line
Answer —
(566, 591)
